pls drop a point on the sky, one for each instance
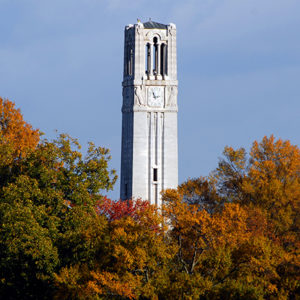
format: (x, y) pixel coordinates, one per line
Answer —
(238, 71)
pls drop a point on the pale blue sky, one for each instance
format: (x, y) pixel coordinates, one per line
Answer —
(238, 70)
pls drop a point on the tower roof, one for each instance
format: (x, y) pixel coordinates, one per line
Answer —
(154, 25)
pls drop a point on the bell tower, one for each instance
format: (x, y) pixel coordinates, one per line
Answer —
(149, 158)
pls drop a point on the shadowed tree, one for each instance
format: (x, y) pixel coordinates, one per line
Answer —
(47, 208)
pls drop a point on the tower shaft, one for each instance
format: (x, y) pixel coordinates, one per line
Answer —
(149, 158)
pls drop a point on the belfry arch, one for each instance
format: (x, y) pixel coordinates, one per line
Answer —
(156, 57)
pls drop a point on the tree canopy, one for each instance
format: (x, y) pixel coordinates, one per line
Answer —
(233, 234)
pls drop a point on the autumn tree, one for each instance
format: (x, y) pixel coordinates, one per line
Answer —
(115, 210)
(17, 137)
(220, 256)
(269, 180)
(256, 200)
(231, 235)
(47, 214)
(137, 257)
(202, 191)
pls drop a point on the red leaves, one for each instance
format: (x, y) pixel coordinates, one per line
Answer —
(115, 210)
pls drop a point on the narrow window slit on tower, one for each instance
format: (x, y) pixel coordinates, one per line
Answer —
(130, 62)
(126, 191)
(155, 174)
(163, 61)
(129, 69)
(125, 62)
(166, 59)
(148, 59)
(155, 56)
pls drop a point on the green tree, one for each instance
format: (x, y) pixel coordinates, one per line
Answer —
(47, 209)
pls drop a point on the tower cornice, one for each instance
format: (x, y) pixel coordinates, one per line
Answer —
(131, 82)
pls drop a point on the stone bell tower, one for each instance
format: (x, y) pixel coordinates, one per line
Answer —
(149, 159)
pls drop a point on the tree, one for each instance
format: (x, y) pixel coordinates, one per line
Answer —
(17, 138)
(261, 193)
(202, 191)
(231, 235)
(136, 259)
(115, 210)
(269, 179)
(48, 214)
(222, 254)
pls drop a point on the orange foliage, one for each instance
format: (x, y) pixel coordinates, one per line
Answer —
(273, 181)
(17, 137)
(105, 283)
(198, 233)
(232, 235)
(269, 179)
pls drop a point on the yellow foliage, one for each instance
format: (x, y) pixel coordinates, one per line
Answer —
(108, 283)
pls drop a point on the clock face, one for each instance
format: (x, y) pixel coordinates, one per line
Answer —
(155, 96)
